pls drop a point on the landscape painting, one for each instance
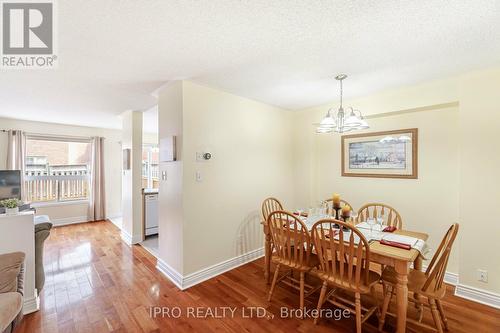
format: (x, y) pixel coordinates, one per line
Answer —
(389, 154)
(377, 155)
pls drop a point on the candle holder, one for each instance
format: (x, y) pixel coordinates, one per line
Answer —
(336, 215)
(345, 218)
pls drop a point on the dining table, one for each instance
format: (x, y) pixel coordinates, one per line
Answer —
(398, 258)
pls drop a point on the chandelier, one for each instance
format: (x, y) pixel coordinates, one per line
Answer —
(341, 120)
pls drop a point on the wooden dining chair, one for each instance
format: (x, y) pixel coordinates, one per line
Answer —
(270, 205)
(373, 210)
(329, 203)
(428, 284)
(293, 250)
(344, 257)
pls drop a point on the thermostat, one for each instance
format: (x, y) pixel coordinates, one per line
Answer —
(200, 156)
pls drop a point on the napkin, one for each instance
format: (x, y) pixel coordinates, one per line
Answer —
(301, 214)
(365, 225)
(413, 242)
(390, 229)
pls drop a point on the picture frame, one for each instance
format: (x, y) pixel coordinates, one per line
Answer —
(126, 158)
(386, 154)
(168, 149)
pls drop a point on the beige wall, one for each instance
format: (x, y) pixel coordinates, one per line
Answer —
(112, 160)
(132, 178)
(480, 178)
(428, 203)
(459, 121)
(252, 159)
(218, 218)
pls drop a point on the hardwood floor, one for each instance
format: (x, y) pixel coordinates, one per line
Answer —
(96, 283)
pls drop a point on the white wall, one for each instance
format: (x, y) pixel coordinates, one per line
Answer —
(112, 160)
(132, 230)
(171, 193)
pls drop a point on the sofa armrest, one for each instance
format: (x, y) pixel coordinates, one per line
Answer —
(12, 272)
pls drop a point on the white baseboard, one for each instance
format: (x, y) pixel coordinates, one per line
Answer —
(69, 220)
(478, 295)
(129, 239)
(170, 273)
(31, 304)
(449, 277)
(185, 282)
(116, 220)
(222, 267)
(472, 294)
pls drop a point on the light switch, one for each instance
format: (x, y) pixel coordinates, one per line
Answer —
(163, 175)
(198, 176)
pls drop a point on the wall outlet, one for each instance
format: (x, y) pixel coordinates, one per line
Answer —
(482, 275)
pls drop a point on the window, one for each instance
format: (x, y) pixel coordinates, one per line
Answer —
(150, 170)
(57, 169)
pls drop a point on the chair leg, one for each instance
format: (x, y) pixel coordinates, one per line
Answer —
(302, 278)
(321, 300)
(389, 290)
(273, 284)
(443, 317)
(436, 316)
(358, 312)
(375, 300)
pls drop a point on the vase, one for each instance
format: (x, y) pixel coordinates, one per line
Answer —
(12, 211)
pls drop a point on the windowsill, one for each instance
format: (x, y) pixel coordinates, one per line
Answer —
(59, 203)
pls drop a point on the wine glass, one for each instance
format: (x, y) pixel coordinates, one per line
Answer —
(381, 220)
(371, 222)
(354, 216)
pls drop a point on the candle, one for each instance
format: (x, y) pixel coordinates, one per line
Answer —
(346, 211)
(336, 200)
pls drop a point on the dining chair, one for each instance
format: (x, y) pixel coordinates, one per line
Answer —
(329, 203)
(270, 205)
(428, 284)
(344, 257)
(373, 210)
(293, 250)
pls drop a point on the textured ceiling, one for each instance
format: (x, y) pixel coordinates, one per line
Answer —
(113, 54)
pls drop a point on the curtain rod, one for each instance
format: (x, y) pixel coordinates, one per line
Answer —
(55, 135)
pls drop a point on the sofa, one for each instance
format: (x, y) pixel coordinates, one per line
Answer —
(11, 290)
(42, 231)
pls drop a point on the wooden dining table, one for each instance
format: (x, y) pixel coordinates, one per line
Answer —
(398, 258)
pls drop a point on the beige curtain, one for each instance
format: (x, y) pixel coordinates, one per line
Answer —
(16, 154)
(97, 202)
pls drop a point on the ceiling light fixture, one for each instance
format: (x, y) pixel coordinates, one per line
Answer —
(338, 120)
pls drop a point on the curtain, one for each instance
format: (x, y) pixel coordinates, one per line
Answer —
(16, 154)
(97, 202)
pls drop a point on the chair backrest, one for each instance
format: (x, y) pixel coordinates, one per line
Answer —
(270, 205)
(437, 267)
(344, 254)
(290, 236)
(329, 203)
(373, 210)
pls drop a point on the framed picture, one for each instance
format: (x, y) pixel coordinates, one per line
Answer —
(126, 159)
(168, 151)
(389, 154)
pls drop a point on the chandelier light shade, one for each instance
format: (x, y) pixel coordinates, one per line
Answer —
(341, 120)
